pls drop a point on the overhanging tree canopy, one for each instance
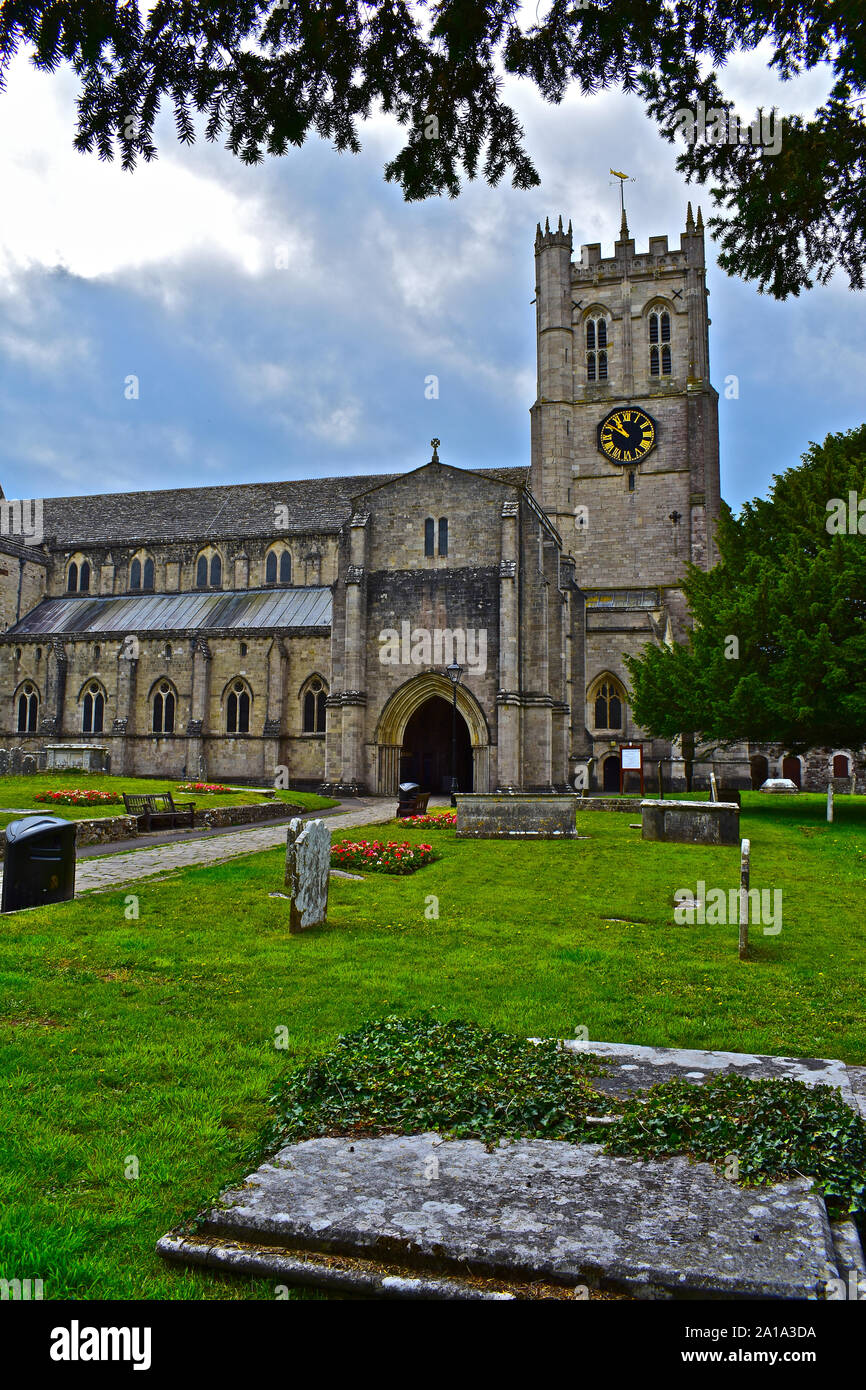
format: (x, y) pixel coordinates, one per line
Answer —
(790, 589)
(267, 74)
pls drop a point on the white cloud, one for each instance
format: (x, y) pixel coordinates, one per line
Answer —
(71, 210)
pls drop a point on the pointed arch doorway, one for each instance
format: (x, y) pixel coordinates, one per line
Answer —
(413, 738)
(425, 757)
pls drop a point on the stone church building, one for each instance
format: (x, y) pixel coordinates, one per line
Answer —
(303, 629)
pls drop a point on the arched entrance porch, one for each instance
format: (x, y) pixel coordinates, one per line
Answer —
(413, 738)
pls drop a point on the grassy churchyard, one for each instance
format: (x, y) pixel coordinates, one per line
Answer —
(18, 795)
(138, 1054)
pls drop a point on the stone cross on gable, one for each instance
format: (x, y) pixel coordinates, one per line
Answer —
(435, 443)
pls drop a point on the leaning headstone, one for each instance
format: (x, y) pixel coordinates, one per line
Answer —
(308, 867)
(4, 761)
(28, 765)
(745, 855)
(830, 801)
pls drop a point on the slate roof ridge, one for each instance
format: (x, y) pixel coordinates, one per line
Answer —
(220, 511)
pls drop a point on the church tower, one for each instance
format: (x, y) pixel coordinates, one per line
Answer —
(625, 452)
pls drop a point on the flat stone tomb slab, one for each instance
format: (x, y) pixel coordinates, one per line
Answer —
(534, 1210)
(514, 816)
(632, 1067)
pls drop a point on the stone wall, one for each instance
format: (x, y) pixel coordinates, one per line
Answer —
(23, 582)
(109, 829)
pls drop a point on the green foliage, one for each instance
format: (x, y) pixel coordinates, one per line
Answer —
(775, 1129)
(267, 75)
(407, 1075)
(793, 594)
(410, 1075)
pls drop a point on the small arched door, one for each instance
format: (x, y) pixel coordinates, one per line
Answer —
(610, 773)
(791, 769)
(760, 770)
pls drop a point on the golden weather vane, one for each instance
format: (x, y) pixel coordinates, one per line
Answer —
(623, 178)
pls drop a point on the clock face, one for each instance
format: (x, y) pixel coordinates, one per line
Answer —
(627, 435)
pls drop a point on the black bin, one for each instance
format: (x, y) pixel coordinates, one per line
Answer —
(39, 866)
(407, 797)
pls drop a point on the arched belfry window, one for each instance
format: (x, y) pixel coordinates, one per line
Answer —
(313, 696)
(659, 324)
(608, 703)
(28, 709)
(596, 348)
(238, 708)
(164, 708)
(93, 709)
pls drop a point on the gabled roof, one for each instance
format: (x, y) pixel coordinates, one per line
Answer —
(236, 510)
(233, 610)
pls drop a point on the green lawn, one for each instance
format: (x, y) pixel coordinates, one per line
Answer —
(155, 1037)
(20, 792)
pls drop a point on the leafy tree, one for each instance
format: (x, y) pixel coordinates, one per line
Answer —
(268, 72)
(790, 587)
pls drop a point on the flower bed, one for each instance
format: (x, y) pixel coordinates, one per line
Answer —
(203, 788)
(442, 818)
(379, 856)
(77, 797)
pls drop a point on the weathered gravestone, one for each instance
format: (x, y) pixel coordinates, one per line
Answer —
(4, 761)
(512, 816)
(15, 761)
(691, 822)
(308, 866)
(28, 765)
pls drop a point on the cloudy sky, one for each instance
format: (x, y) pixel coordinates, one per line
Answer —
(282, 320)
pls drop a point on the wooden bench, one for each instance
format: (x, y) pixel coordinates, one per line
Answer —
(159, 807)
(417, 806)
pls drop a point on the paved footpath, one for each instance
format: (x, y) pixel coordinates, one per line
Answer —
(112, 870)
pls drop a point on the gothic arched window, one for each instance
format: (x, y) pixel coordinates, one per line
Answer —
(609, 702)
(216, 572)
(429, 536)
(147, 579)
(72, 578)
(135, 574)
(238, 709)
(278, 566)
(28, 710)
(164, 706)
(201, 572)
(93, 709)
(84, 577)
(596, 348)
(313, 698)
(660, 333)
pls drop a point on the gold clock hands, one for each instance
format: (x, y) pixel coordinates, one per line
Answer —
(619, 429)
